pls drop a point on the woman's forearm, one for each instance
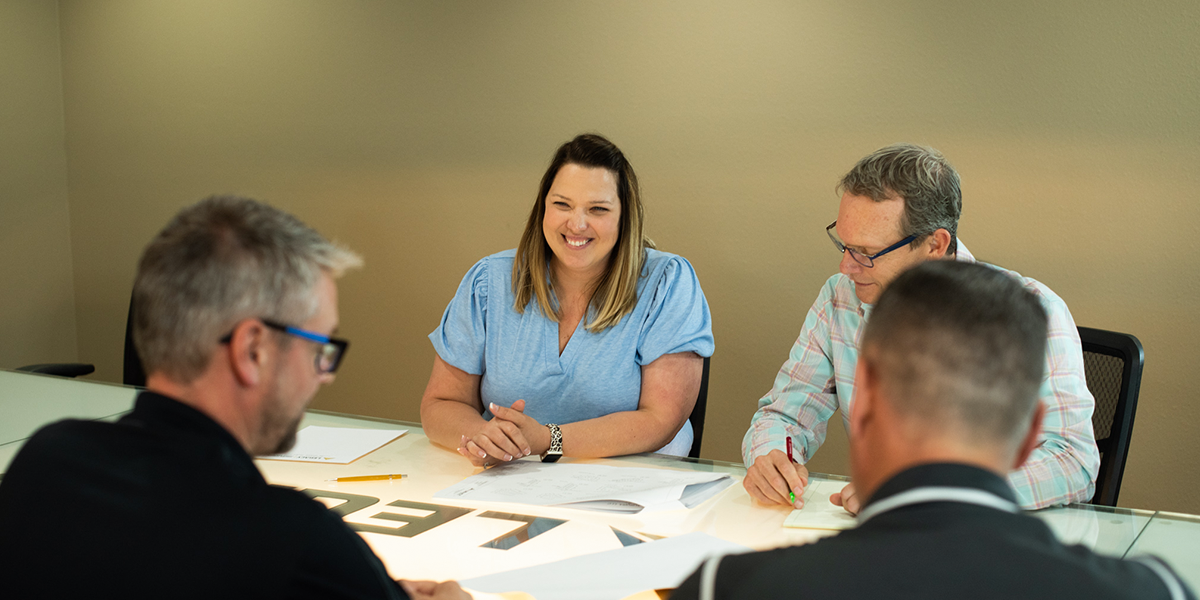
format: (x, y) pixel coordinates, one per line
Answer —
(446, 421)
(616, 434)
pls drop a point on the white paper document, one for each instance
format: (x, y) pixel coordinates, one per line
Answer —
(818, 511)
(336, 445)
(611, 575)
(589, 487)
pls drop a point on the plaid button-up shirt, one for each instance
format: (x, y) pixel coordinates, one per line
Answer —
(818, 378)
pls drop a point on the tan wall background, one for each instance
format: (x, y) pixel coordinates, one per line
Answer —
(37, 304)
(417, 132)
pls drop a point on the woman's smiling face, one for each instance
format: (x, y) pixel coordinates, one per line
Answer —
(583, 219)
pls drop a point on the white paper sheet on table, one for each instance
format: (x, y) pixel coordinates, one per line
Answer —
(613, 574)
(818, 511)
(336, 445)
(589, 487)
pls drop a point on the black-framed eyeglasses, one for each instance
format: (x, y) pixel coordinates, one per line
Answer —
(329, 358)
(867, 261)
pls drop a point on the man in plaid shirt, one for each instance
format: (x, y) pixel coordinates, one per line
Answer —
(900, 207)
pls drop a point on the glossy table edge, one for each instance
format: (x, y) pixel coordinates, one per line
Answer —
(1174, 516)
(1112, 510)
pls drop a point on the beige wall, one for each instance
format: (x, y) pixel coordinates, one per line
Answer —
(417, 133)
(37, 301)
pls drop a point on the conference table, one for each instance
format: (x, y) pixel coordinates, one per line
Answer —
(419, 536)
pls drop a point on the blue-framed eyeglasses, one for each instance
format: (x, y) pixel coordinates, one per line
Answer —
(329, 357)
(867, 261)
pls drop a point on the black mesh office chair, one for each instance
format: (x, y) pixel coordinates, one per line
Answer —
(134, 373)
(697, 416)
(1112, 363)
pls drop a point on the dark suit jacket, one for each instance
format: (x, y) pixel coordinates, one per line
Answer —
(166, 504)
(938, 549)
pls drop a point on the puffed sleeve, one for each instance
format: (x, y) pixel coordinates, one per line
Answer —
(461, 337)
(678, 319)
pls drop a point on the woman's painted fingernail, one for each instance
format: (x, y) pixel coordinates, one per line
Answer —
(507, 457)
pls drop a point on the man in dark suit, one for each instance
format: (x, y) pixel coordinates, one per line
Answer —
(947, 406)
(235, 309)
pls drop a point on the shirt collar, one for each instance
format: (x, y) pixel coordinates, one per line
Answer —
(941, 482)
(964, 255)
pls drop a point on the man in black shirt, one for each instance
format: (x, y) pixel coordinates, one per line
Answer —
(946, 406)
(234, 308)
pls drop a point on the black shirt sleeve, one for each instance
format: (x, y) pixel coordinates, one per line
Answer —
(690, 588)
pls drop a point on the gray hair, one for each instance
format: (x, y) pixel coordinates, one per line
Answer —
(960, 345)
(922, 177)
(219, 261)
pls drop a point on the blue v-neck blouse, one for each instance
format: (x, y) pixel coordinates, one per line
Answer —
(598, 373)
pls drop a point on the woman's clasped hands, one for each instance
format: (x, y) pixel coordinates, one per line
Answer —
(509, 435)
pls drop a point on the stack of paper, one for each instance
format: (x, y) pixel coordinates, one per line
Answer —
(589, 487)
(818, 511)
(336, 445)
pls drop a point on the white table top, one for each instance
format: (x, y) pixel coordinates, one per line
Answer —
(454, 550)
(29, 401)
(419, 537)
(1174, 537)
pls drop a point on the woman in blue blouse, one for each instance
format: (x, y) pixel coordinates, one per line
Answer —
(583, 340)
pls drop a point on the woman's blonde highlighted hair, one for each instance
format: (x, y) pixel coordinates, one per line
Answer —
(615, 293)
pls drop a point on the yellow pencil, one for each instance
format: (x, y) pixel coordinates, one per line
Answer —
(370, 477)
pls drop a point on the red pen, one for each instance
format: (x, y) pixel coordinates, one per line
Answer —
(791, 494)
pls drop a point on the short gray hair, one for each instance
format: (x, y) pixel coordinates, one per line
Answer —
(922, 177)
(219, 261)
(960, 345)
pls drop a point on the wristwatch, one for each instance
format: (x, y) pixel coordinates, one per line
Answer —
(554, 452)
